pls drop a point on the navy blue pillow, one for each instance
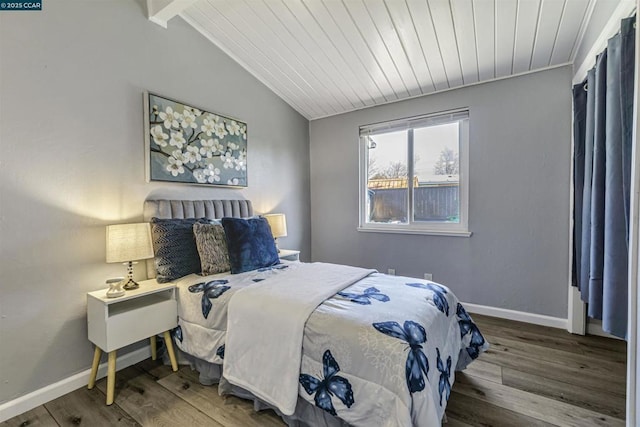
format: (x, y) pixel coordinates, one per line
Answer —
(174, 245)
(250, 244)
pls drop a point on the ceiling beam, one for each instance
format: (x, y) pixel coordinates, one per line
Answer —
(161, 11)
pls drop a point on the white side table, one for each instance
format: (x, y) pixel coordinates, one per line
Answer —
(138, 314)
(289, 255)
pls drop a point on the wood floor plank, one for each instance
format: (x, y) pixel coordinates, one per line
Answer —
(454, 422)
(570, 376)
(37, 417)
(608, 404)
(151, 404)
(594, 365)
(476, 412)
(485, 370)
(532, 405)
(87, 407)
(603, 353)
(534, 338)
(601, 347)
(156, 368)
(611, 344)
(227, 410)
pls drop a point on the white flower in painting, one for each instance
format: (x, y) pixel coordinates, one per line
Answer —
(241, 162)
(241, 165)
(208, 126)
(212, 118)
(192, 154)
(217, 147)
(159, 137)
(212, 173)
(179, 155)
(233, 181)
(228, 160)
(243, 132)
(220, 130)
(175, 166)
(177, 139)
(200, 176)
(170, 118)
(188, 120)
(232, 146)
(207, 147)
(233, 127)
(193, 111)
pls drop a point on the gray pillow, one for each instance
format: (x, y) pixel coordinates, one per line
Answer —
(212, 248)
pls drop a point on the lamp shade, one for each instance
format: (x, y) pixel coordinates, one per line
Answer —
(278, 224)
(129, 242)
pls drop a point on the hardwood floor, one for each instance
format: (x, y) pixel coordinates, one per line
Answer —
(531, 376)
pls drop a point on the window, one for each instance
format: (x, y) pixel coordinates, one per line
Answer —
(433, 151)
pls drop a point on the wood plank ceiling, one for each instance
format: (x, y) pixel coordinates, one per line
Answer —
(326, 57)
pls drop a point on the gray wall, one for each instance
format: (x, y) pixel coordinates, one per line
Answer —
(71, 135)
(520, 142)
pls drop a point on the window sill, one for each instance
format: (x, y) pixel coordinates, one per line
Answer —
(450, 233)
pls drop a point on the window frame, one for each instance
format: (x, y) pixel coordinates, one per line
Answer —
(460, 229)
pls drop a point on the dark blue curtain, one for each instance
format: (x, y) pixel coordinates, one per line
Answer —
(603, 114)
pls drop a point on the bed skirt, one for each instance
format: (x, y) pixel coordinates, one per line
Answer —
(210, 374)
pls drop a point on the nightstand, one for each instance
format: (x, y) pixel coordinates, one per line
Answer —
(137, 315)
(289, 255)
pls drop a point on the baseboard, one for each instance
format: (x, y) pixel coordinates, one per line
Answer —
(48, 393)
(520, 316)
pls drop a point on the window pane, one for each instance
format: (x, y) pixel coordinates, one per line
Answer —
(387, 190)
(437, 172)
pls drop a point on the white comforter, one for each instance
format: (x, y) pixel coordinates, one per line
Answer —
(271, 316)
(381, 351)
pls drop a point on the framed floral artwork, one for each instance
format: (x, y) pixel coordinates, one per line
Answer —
(190, 145)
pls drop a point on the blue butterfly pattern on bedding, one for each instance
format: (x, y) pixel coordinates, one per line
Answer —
(210, 290)
(332, 384)
(439, 298)
(444, 386)
(467, 326)
(220, 351)
(417, 364)
(364, 298)
(177, 333)
(257, 280)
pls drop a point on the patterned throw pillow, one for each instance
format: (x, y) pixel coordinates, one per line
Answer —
(212, 248)
(250, 243)
(174, 245)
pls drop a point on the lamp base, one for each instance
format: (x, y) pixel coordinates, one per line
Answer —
(131, 284)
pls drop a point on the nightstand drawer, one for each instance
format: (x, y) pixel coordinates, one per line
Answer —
(129, 320)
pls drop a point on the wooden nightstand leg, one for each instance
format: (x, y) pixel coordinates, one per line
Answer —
(154, 351)
(111, 377)
(172, 355)
(94, 367)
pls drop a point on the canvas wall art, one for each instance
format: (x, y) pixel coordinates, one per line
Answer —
(190, 145)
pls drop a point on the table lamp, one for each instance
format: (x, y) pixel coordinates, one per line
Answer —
(127, 243)
(278, 224)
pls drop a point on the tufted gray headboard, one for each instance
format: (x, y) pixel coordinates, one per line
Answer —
(211, 209)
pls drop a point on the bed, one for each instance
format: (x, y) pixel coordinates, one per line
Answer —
(321, 344)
